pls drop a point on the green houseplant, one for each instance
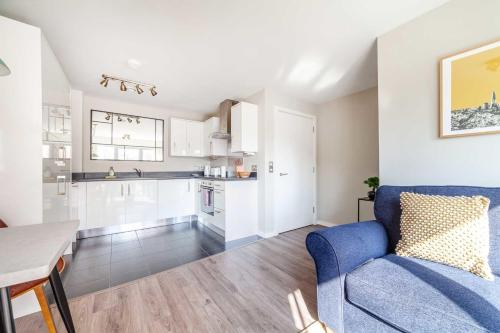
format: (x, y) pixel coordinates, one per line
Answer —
(373, 183)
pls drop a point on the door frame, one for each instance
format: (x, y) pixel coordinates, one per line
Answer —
(314, 133)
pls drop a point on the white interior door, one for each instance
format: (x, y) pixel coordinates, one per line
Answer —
(294, 167)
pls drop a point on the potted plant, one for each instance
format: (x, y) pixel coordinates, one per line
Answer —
(373, 183)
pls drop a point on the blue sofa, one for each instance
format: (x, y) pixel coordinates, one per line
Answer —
(364, 287)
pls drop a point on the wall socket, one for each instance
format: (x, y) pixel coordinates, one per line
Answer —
(254, 167)
(271, 167)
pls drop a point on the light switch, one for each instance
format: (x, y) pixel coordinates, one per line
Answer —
(271, 167)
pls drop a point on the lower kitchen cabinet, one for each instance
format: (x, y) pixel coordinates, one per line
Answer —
(176, 198)
(106, 203)
(142, 201)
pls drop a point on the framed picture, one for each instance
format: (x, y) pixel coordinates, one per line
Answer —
(470, 84)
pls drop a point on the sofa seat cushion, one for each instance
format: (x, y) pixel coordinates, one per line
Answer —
(416, 295)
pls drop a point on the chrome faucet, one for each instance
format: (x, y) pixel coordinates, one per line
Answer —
(139, 172)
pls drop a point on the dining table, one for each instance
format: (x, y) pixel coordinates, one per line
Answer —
(30, 252)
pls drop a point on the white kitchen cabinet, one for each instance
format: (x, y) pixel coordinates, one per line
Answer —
(176, 198)
(213, 146)
(142, 201)
(178, 138)
(244, 128)
(106, 203)
(78, 203)
(194, 134)
(186, 137)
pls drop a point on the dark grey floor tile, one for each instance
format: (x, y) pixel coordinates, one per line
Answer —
(127, 277)
(126, 254)
(86, 262)
(188, 257)
(123, 237)
(213, 249)
(78, 276)
(90, 252)
(129, 265)
(123, 246)
(94, 242)
(160, 262)
(86, 288)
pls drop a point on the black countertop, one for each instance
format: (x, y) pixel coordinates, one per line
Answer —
(122, 176)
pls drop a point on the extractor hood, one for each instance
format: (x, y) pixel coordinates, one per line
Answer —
(224, 120)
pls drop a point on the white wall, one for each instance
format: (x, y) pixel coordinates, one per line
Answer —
(76, 105)
(347, 131)
(55, 85)
(408, 57)
(169, 163)
(21, 133)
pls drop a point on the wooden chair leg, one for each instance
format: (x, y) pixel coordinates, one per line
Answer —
(47, 315)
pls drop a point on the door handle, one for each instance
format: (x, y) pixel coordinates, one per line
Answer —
(189, 186)
(122, 189)
(283, 174)
(129, 189)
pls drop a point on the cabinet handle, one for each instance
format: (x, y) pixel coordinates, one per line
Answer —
(122, 189)
(211, 147)
(128, 189)
(189, 186)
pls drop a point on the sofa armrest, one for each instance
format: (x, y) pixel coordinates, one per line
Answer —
(337, 251)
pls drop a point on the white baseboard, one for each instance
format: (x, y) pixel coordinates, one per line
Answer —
(266, 234)
(326, 223)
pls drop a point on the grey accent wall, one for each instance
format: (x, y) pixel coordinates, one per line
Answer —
(411, 152)
(347, 155)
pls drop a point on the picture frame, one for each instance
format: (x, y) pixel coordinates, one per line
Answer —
(469, 88)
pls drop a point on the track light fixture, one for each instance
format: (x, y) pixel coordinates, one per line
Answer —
(129, 120)
(104, 81)
(138, 86)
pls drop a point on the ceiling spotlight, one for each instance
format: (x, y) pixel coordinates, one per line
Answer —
(139, 89)
(104, 81)
(108, 116)
(129, 120)
(120, 118)
(137, 120)
(123, 87)
(153, 91)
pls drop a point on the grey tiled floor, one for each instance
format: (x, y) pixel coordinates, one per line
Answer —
(102, 262)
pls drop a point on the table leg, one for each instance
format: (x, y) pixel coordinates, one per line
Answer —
(61, 300)
(7, 317)
(358, 210)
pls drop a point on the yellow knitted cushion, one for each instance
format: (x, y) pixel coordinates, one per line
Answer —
(449, 230)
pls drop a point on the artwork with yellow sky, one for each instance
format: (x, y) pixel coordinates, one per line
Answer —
(470, 82)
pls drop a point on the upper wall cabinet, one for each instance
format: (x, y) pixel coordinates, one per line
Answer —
(186, 137)
(244, 130)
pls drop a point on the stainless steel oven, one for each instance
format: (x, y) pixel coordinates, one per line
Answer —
(207, 197)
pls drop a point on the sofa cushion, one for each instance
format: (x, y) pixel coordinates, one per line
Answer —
(449, 230)
(422, 296)
(388, 211)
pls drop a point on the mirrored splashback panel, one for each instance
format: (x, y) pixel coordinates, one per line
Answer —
(125, 137)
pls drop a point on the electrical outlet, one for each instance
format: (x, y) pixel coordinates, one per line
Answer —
(271, 167)
(254, 167)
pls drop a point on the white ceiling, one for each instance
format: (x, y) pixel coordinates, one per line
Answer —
(199, 52)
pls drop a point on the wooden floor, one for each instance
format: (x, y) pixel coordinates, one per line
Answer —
(268, 286)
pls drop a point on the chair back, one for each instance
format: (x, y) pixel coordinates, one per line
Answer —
(388, 211)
